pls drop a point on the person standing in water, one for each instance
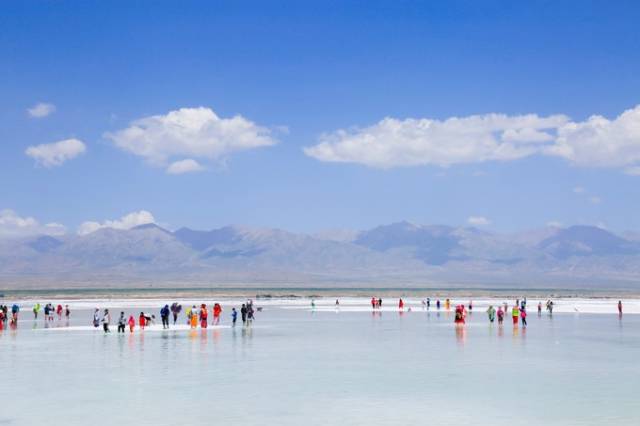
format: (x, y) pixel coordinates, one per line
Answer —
(337, 303)
(243, 313)
(36, 309)
(491, 312)
(217, 310)
(67, 312)
(400, 304)
(132, 323)
(106, 320)
(234, 316)
(620, 307)
(438, 304)
(175, 310)
(379, 302)
(142, 321)
(428, 303)
(523, 316)
(515, 314)
(59, 311)
(204, 315)
(164, 315)
(470, 306)
(539, 308)
(122, 323)
(460, 315)
(447, 304)
(96, 318)
(15, 310)
(500, 315)
(250, 313)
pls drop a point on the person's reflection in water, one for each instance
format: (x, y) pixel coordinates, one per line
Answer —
(515, 331)
(247, 333)
(130, 341)
(193, 334)
(121, 344)
(216, 335)
(204, 338)
(141, 339)
(461, 333)
(234, 336)
(500, 331)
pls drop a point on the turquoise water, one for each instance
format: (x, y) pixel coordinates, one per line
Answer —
(297, 366)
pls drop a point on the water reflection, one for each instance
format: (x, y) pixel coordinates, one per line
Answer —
(461, 333)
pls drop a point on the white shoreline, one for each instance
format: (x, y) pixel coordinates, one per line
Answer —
(327, 304)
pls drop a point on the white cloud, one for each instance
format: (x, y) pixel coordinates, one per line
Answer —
(12, 225)
(594, 199)
(41, 110)
(599, 142)
(579, 190)
(128, 221)
(633, 171)
(411, 142)
(184, 166)
(595, 142)
(554, 224)
(478, 221)
(197, 133)
(55, 154)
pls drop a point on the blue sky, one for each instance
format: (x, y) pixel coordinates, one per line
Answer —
(299, 72)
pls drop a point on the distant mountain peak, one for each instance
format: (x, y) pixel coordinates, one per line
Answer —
(150, 226)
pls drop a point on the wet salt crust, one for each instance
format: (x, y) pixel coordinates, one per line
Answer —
(326, 365)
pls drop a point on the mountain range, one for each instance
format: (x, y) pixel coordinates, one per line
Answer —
(400, 254)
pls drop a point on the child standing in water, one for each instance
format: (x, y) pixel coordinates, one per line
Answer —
(234, 316)
(132, 323)
(523, 316)
(401, 304)
(500, 315)
(142, 321)
(539, 308)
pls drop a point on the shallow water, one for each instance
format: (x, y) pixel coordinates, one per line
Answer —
(296, 365)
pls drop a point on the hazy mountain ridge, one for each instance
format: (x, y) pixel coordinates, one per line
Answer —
(398, 252)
